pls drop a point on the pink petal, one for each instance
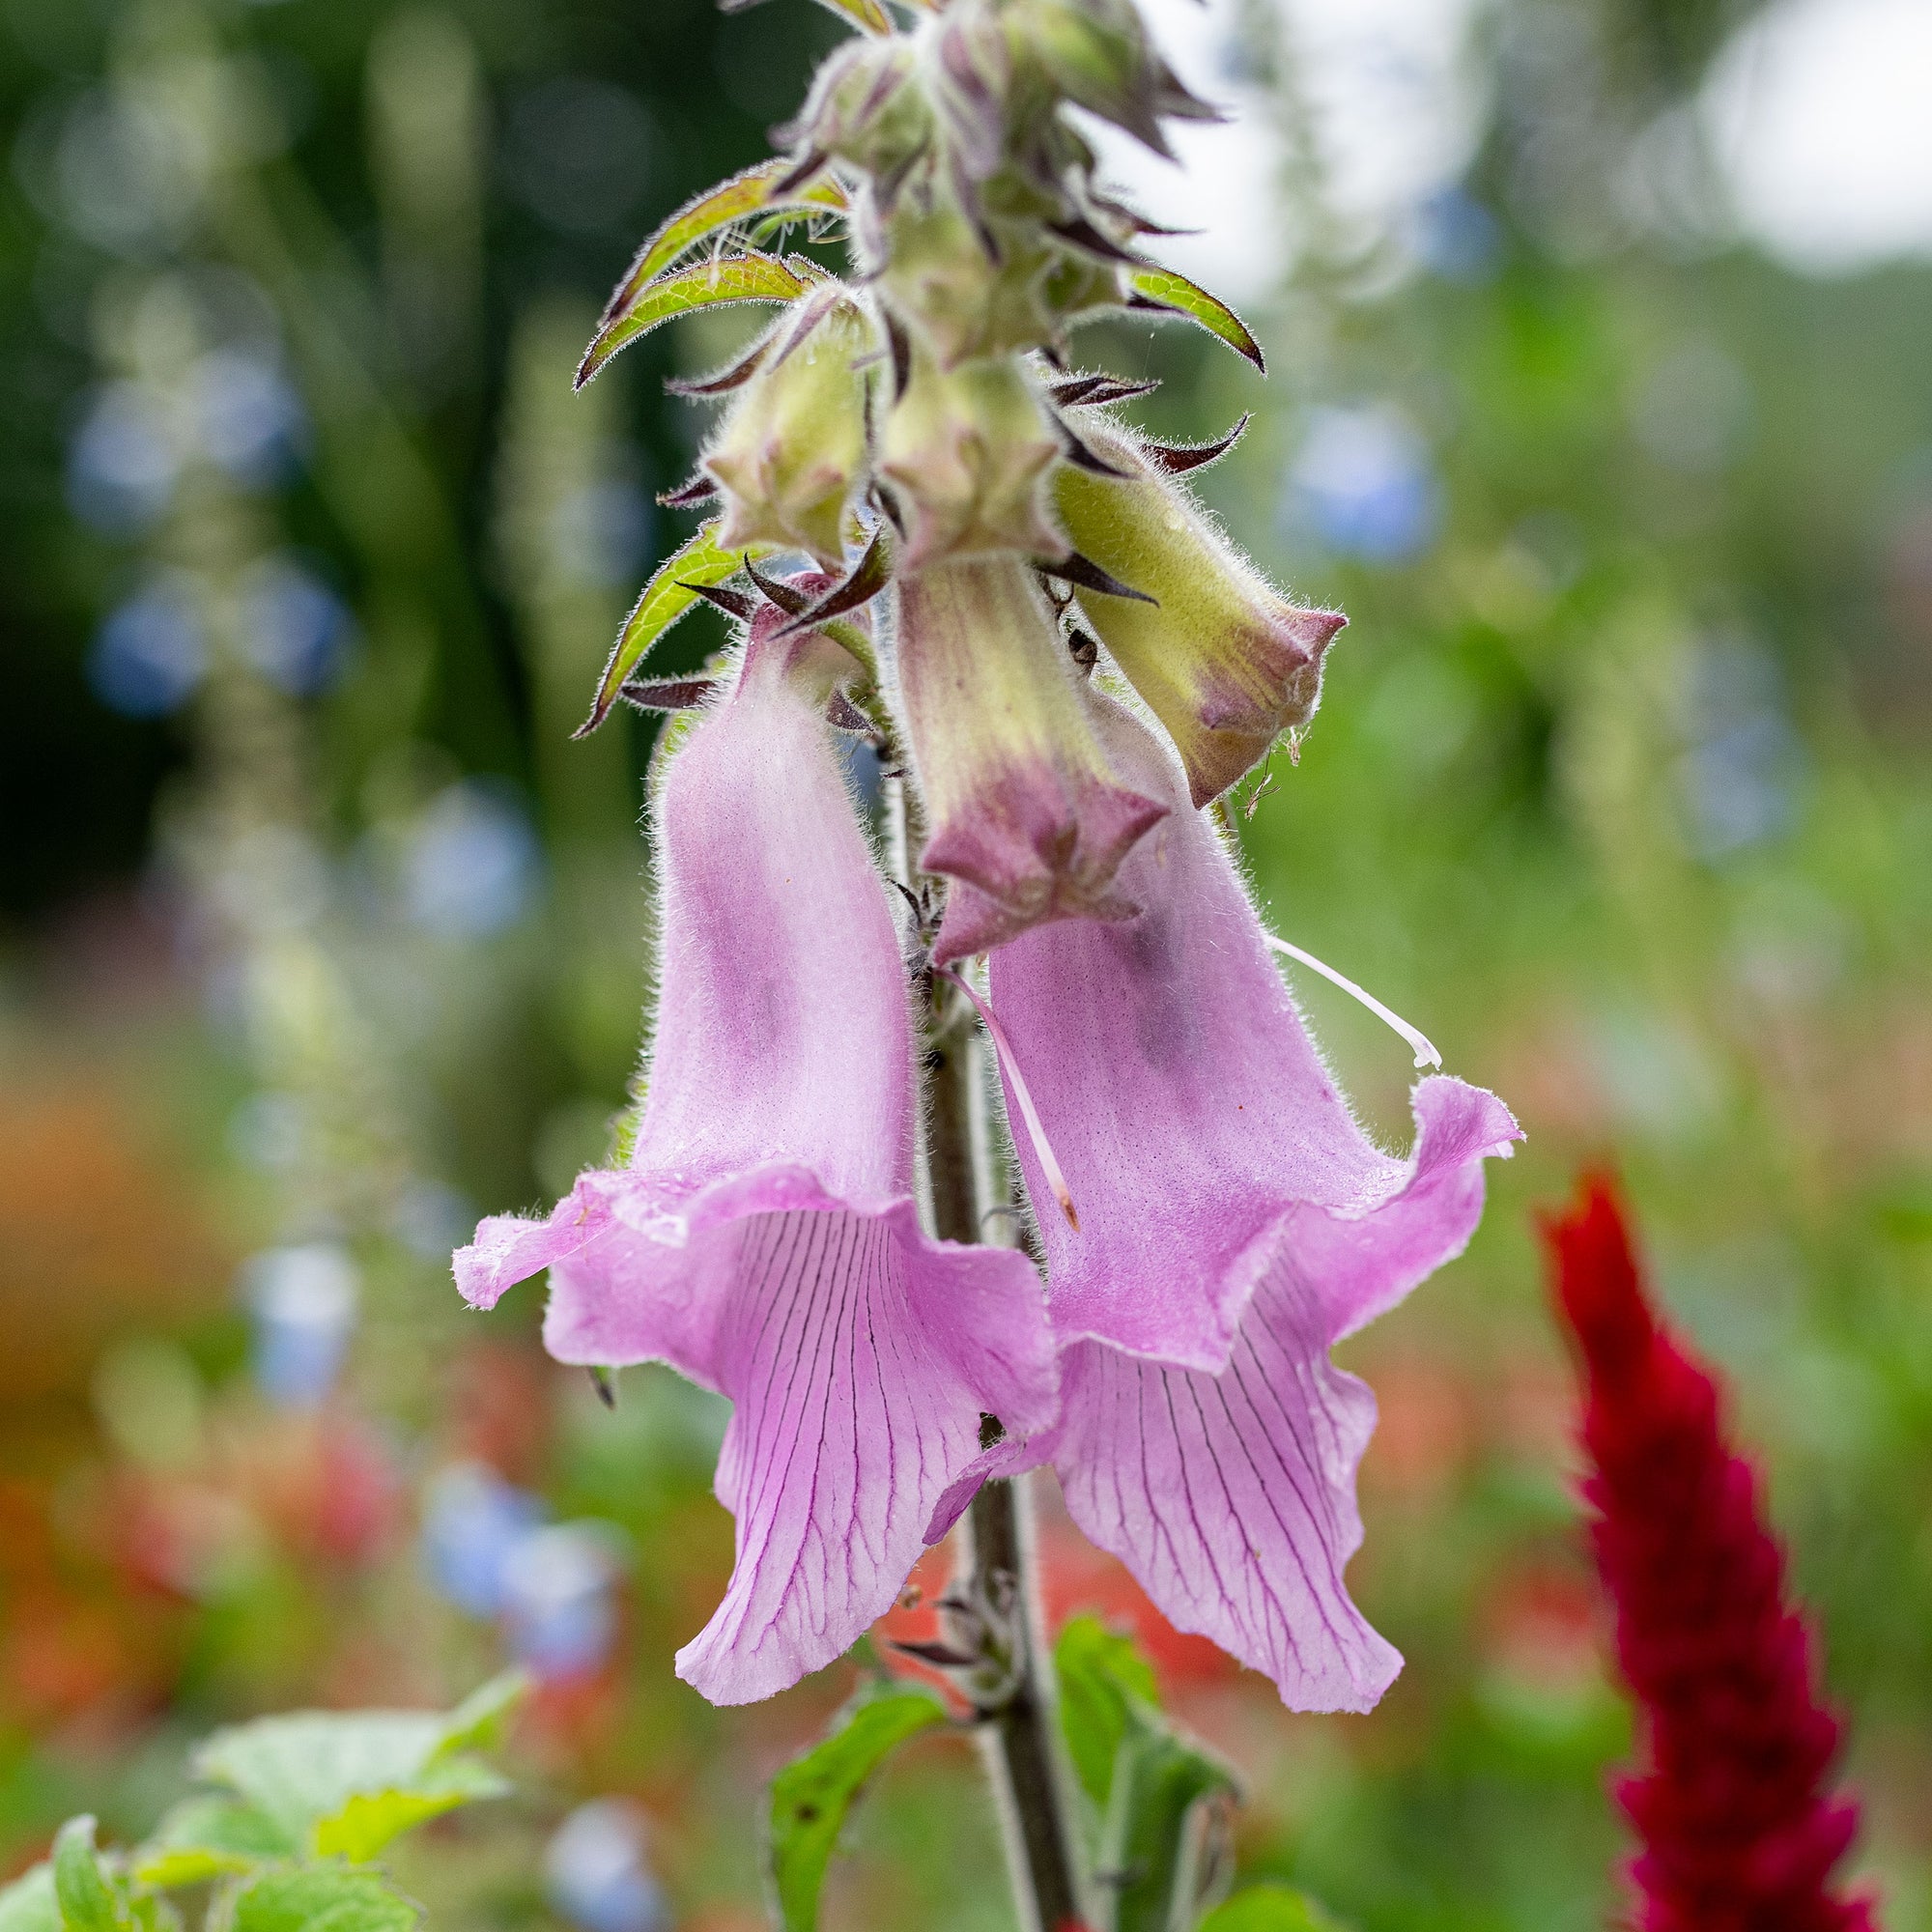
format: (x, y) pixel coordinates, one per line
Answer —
(1198, 1126)
(1231, 1496)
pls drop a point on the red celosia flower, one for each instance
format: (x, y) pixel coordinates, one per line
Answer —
(1737, 1834)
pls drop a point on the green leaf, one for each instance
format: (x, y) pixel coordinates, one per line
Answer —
(1099, 1671)
(30, 1904)
(1166, 290)
(348, 1782)
(323, 1899)
(87, 1899)
(665, 601)
(752, 193)
(749, 277)
(813, 1794)
(1269, 1908)
(369, 1820)
(1149, 1844)
(204, 1837)
(477, 1722)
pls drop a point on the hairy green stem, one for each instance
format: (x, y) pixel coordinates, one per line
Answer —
(996, 1570)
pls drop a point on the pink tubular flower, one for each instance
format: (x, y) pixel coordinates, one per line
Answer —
(763, 1239)
(1738, 1833)
(1234, 1222)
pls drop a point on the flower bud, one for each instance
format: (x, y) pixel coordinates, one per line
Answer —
(1029, 819)
(867, 107)
(1220, 657)
(788, 454)
(966, 451)
(963, 303)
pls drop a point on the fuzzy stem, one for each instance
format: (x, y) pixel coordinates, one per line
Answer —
(995, 1569)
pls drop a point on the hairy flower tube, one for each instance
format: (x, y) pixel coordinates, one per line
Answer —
(763, 1238)
(1235, 1222)
(1223, 660)
(1030, 816)
(965, 453)
(1739, 1833)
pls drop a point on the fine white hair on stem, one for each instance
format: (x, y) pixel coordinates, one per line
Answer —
(1423, 1047)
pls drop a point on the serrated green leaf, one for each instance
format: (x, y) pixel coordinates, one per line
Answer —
(867, 14)
(664, 602)
(323, 1899)
(752, 193)
(30, 1903)
(87, 1899)
(747, 277)
(1098, 1672)
(369, 1820)
(1147, 1844)
(204, 1837)
(1169, 290)
(1269, 1908)
(813, 1794)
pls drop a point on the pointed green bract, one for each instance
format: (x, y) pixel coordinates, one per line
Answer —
(1167, 290)
(749, 277)
(813, 1794)
(87, 1899)
(1269, 1908)
(865, 14)
(752, 193)
(323, 1899)
(667, 597)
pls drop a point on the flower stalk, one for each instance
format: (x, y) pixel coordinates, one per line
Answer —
(998, 1611)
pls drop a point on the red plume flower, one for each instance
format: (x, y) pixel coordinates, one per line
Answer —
(1737, 1834)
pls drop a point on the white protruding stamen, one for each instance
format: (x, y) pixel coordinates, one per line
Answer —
(1010, 1065)
(1424, 1048)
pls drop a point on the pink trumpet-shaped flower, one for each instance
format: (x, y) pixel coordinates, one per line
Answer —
(763, 1239)
(1235, 1222)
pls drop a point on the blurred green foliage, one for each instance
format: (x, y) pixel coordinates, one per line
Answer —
(1620, 789)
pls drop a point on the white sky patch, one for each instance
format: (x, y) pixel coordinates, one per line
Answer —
(1821, 116)
(1395, 121)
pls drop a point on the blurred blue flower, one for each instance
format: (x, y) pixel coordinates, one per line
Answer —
(557, 1604)
(1364, 485)
(472, 867)
(303, 1303)
(596, 1874)
(295, 630)
(600, 533)
(151, 654)
(1745, 764)
(122, 462)
(1455, 237)
(248, 418)
(472, 1520)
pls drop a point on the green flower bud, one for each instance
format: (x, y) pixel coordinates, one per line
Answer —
(966, 452)
(868, 107)
(1221, 657)
(789, 453)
